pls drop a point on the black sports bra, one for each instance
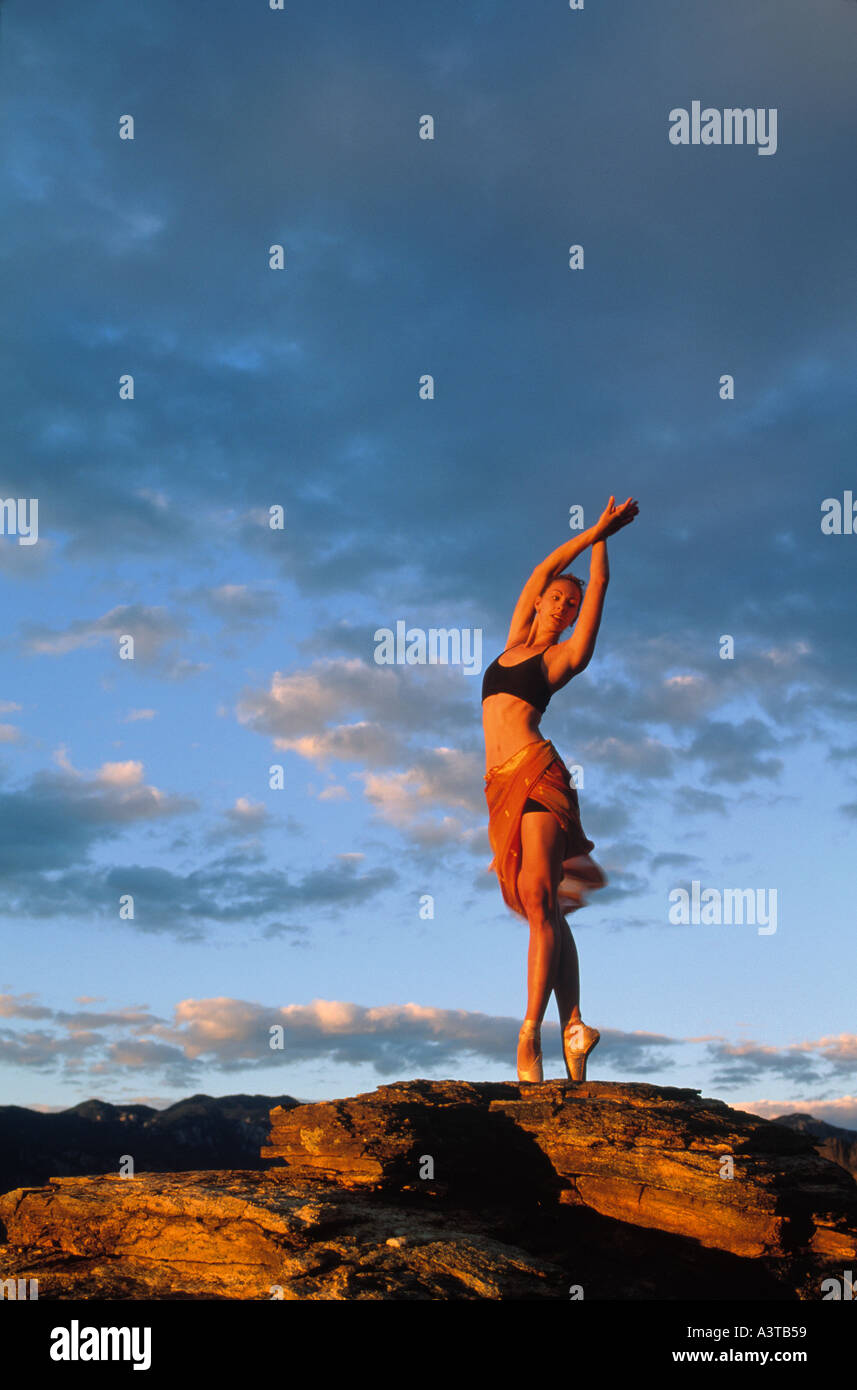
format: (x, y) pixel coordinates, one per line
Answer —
(525, 679)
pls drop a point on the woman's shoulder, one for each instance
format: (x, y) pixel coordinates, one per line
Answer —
(556, 664)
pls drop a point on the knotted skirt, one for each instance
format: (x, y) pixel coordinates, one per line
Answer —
(538, 771)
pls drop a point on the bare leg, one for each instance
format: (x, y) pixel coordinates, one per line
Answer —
(567, 983)
(567, 986)
(580, 1039)
(542, 843)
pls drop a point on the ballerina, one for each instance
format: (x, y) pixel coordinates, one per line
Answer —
(541, 854)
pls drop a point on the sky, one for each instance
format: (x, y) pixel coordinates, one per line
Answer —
(425, 388)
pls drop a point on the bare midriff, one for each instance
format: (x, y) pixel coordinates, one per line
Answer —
(508, 724)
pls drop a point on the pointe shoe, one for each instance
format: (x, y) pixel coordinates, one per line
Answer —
(533, 1072)
(578, 1040)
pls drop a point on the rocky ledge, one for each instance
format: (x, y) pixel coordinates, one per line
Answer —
(454, 1189)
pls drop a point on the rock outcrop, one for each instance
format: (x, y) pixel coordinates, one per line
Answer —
(453, 1189)
(647, 1155)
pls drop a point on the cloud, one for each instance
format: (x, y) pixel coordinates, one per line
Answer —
(363, 742)
(342, 636)
(58, 818)
(306, 702)
(443, 777)
(825, 1059)
(151, 629)
(734, 752)
(299, 711)
(840, 1110)
(646, 757)
(224, 892)
(690, 801)
(237, 605)
(675, 860)
(225, 1034)
(245, 817)
(50, 828)
(334, 793)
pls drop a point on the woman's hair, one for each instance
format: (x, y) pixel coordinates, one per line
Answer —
(571, 577)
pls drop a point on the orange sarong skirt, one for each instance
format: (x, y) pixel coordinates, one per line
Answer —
(537, 771)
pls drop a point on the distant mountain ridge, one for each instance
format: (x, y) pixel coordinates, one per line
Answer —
(199, 1132)
(839, 1145)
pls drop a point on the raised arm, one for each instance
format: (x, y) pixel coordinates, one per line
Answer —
(575, 654)
(611, 520)
(577, 651)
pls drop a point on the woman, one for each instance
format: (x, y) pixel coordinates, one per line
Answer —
(541, 854)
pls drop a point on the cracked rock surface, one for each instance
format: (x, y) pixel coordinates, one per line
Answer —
(460, 1190)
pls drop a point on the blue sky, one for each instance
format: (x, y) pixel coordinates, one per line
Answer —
(299, 388)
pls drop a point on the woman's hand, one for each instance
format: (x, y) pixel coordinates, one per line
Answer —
(613, 518)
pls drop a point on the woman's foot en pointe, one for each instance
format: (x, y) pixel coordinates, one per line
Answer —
(530, 1052)
(578, 1040)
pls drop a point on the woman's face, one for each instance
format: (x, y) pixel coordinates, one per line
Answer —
(559, 605)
